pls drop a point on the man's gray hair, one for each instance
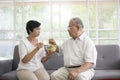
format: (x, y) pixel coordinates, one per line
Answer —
(78, 22)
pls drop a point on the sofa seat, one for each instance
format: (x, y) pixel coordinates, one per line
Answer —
(12, 75)
(107, 74)
(9, 76)
(50, 71)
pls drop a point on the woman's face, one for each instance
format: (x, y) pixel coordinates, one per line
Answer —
(36, 32)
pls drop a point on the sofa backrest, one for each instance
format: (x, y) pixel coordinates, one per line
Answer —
(16, 58)
(53, 63)
(108, 57)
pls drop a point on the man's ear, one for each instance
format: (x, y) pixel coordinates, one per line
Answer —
(78, 27)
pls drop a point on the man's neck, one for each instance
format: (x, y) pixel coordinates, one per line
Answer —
(79, 34)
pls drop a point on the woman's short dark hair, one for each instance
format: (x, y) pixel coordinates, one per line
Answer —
(31, 25)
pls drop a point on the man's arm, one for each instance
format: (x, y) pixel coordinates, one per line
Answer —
(75, 72)
(57, 48)
(84, 67)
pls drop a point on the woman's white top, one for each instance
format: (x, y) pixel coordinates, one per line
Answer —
(25, 47)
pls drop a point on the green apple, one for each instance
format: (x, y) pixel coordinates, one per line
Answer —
(51, 47)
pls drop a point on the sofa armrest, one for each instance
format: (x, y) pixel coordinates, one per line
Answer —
(5, 66)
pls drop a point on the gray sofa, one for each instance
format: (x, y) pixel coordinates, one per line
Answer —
(108, 64)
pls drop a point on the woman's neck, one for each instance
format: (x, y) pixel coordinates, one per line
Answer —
(32, 39)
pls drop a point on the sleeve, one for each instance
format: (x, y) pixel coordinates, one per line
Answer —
(61, 49)
(22, 50)
(43, 51)
(90, 53)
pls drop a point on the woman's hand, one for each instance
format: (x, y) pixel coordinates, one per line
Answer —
(49, 52)
(39, 45)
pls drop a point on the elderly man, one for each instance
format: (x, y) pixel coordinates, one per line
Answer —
(79, 54)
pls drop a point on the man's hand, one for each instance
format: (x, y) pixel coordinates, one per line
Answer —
(72, 74)
(52, 41)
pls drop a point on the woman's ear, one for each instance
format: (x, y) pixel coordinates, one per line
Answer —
(30, 31)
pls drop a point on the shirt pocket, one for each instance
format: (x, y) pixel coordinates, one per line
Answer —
(79, 53)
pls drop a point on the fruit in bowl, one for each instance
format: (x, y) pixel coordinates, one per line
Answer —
(51, 47)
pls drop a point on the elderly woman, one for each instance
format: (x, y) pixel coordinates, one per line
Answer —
(32, 54)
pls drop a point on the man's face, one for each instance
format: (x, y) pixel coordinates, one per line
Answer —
(72, 29)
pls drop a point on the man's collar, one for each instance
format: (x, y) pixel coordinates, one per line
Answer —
(81, 37)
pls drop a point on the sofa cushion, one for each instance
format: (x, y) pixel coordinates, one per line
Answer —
(54, 62)
(10, 76)
(107, 74)
(5, 66)
(50, 71)
(108, 57)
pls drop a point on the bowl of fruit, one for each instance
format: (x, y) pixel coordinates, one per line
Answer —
(51, 47)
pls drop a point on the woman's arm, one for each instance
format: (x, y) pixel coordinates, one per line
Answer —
(30, 55)
(44, 59)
